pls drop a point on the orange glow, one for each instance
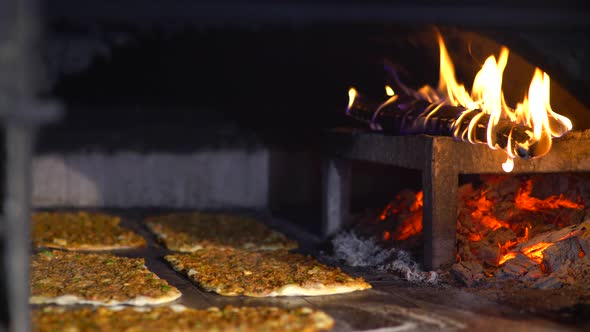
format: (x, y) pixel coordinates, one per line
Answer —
(386, 235)
(506, 257)
(410, 214)
(534, 252)
(581, 253)
(483, 213)
(524, 201)
(411, 225)
(474, 237)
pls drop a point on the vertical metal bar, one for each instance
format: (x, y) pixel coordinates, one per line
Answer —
(336, 195)
(440, 179)
(19, 140)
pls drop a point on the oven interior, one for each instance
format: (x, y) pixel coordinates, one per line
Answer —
(241, 109)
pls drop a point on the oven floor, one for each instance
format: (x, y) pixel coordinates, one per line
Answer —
(393, 304)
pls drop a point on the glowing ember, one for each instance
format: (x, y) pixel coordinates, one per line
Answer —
(503, 213)
(483, 213)
(524, 201)
(506, 257)
(386, 235)
(410, 222)
(534, 252)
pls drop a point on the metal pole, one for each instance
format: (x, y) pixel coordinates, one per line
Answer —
(336, 195)
(19, 140)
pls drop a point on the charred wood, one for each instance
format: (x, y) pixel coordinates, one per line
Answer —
(408, 115)
(521, 267)
(560, 253)
(469, 273)
(555, 236)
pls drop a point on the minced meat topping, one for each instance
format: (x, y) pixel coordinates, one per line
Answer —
(187, 232)
(82, 231)
(258, 273)
(94, 277)
(168, 319)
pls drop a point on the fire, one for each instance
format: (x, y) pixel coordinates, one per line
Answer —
(485, 107)
(486, 95)
(484, 214)
(524, 201)
(413, 224)
(534, 252)
(508, 220)
(410, 222)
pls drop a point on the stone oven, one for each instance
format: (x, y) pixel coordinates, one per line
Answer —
(139, 107)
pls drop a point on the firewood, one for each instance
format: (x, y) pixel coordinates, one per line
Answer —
(409, 115)
(548, 282)
(584, 240)
(559, 253)
(518, 268)
(469, 273)
(555, 236)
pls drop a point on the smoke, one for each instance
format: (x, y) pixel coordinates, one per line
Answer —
(360, 252)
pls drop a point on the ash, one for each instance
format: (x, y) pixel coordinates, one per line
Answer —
(365, 252)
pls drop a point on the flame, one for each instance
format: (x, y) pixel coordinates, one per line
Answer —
(534, 252)
(524, 201)
(410, 222)
(413, 223)
(507, 257)
(484, 210)
(389, 91)
(508, 165)
(483, 213)
(486, 95)
(352, 93)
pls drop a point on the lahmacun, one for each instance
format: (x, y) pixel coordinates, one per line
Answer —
(233, 272)
(82, 231)
(189, 232)
(179, 318)
(99, 279)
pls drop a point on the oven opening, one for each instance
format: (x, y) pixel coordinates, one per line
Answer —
(442, 164)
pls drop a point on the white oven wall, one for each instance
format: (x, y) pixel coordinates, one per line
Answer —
(224, 178)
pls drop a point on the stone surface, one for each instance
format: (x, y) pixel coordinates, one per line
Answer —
(205, 179)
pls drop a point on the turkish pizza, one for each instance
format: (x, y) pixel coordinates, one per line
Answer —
(233, 272)
(82, 231)
(180, 318)
(188, 232)
(100, 279)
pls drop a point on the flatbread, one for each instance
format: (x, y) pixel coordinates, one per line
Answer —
(98, 279)
(233, 272)
(179, 318)
(82, 231)
(189, 232)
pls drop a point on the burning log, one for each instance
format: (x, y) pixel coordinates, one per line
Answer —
(560, 253)
(556, 236)
(520, 267)
(535, 247)
(404, 114)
